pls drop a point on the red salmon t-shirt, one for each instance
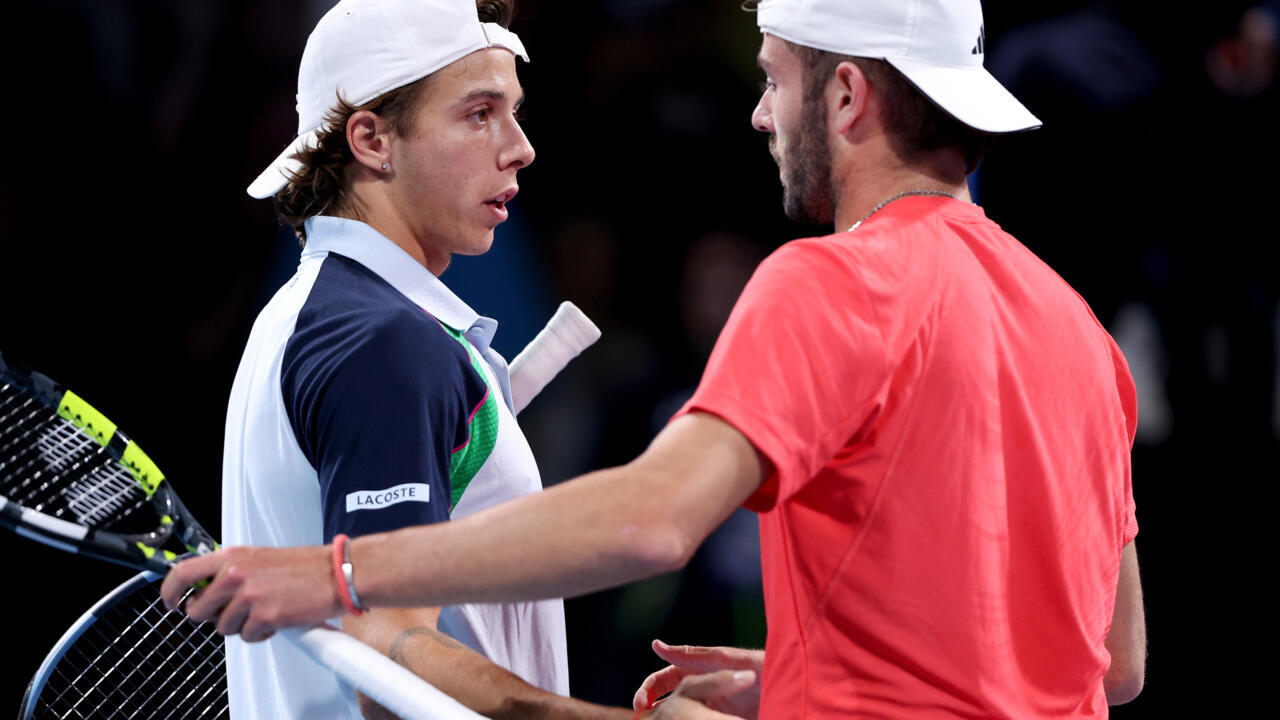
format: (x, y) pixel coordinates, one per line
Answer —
(951, 431)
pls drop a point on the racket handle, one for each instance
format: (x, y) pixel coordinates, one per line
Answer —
(390, 685)
(568, 333)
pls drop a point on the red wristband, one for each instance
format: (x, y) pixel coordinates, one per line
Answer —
(340, 577)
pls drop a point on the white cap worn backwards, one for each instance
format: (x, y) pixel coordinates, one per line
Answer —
(361, 49)
(939, 45)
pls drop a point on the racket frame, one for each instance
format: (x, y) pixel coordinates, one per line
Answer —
(140, 551)
(73, 633)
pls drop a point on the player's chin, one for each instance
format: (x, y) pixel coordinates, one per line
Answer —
(477, 243)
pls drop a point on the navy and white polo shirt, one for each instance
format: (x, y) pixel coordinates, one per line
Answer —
(368, 399)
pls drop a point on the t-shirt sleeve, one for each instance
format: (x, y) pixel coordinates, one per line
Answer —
(377, 408)
(800, 365)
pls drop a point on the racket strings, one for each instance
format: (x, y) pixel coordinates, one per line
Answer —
(139, 661)
(46, 464)
(20, 417)
(196, 653)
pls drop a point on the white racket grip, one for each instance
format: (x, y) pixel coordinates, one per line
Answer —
(374, 674)
(568, 333)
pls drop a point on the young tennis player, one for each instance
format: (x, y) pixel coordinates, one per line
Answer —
(932, 425)
(369, 398)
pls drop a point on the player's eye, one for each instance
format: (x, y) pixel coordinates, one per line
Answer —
(480, 115)
(767, 85)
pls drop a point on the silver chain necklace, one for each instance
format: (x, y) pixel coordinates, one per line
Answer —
(899, 196)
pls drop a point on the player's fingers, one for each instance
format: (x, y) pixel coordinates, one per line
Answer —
(204, 605)
(715, 685)
(207, 603)
(256, 630)
(186, 597)
(692, 657)
(232, 617)
(188, 573)
(656, 685)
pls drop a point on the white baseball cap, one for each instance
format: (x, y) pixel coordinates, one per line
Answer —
(361, 49)
(938, 45)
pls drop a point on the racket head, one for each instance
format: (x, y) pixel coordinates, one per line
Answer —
(70, 478)
(128, 657)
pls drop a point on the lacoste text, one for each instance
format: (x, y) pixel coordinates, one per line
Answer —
(376, 499)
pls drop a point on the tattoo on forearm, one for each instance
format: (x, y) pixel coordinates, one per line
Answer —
(399, 646)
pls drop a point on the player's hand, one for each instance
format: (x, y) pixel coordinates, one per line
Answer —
(255, 591)
(696, 695)
(688, 661)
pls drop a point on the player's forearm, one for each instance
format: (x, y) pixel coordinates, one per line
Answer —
(475, 681)
(601, 530)
(592, 533)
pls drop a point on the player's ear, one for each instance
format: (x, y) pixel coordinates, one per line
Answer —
(847, 95)
(368, 138)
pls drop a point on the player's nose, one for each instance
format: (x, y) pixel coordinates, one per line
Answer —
(519, 151)
(762, 116)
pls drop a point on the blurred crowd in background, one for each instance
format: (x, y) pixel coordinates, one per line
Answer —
(133, 262)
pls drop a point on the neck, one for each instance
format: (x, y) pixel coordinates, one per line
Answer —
(369, 204)
(862, 189)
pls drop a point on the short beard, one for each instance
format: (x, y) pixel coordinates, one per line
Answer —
(806, 170)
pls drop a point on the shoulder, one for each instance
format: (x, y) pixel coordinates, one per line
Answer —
(833, 273)
(811, 292)
(354, 325)
(804, 265)
(348, 290)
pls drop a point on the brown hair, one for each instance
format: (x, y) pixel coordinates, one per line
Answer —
(319, 187)
(916, 126)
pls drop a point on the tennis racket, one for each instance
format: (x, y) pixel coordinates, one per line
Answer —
(128, 655)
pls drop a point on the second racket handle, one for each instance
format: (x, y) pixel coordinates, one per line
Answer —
(568, 333)
(369, 671)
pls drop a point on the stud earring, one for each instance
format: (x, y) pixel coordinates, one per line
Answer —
(386, 167)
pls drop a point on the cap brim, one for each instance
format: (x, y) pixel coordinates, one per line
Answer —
(276, 176)
(971, 95)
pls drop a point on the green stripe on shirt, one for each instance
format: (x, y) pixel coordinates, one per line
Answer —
(482, 431)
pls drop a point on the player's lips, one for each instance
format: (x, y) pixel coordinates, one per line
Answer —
(498, 203)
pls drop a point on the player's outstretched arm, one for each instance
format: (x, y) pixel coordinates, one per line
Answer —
(409, 636)
(690, 660)
(600, 530)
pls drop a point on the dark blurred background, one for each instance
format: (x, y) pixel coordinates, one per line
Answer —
(132, 264)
